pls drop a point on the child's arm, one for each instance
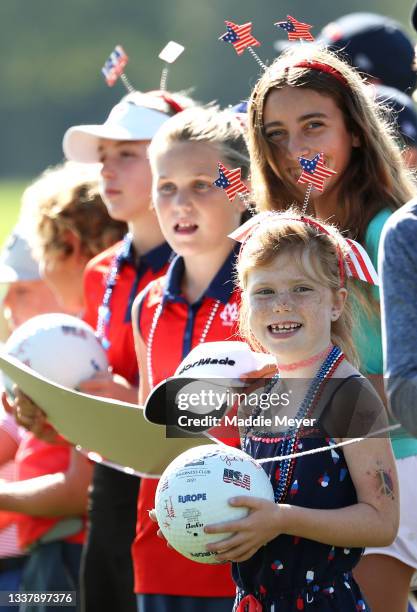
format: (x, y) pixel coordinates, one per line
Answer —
(107, 384)
(31, 417)
(373, 521)
(51, 495)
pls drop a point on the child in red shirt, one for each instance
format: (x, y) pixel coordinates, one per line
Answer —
(111, 282)
(195, 302)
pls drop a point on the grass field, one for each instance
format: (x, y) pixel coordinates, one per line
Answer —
(10, 194)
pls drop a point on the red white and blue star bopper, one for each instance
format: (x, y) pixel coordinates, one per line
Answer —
(114, 68)
(230, 181)
(169, 54)
(240, 36)
(313, 174)
(296, 30)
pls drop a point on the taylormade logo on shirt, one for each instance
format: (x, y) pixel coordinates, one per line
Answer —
(206, 361)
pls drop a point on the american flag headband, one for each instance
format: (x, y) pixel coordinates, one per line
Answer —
(241, 38)
(353, 260)
(323, 67)
(118, 59)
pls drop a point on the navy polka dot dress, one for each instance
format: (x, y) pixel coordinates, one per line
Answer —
(291, 573)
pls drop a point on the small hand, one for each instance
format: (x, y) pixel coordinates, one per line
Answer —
(31, 417)
(5, 400)
(256, 378)
(267, 371)
(113, 386)
(152, 516)
(250, 533)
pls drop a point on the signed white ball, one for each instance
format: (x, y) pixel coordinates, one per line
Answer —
(58, 346)
(194, 491)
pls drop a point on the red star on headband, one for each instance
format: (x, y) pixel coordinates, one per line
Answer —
(296, 30)
(240, 36)
(314, 171)
(230, 181)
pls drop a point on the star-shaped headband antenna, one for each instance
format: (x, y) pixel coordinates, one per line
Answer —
(169, 54)
(240, 36)
(296, 30)
(114, 68)
(313, 174)
(230, 181)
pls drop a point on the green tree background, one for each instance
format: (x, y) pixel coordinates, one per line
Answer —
(52, 52)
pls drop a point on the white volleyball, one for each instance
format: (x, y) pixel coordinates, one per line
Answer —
(58, 346)
(194, 491)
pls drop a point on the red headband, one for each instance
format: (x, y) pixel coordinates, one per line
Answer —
(313, 65)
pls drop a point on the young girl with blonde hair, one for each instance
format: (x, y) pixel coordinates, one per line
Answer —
(298, 553)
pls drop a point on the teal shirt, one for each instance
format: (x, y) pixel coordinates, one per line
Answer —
(367, 333)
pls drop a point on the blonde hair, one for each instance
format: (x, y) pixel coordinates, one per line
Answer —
(376, 177)
(208, 124)
(66, 199)
(316, 252)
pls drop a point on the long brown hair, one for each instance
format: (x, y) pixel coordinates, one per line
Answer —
(376, 177)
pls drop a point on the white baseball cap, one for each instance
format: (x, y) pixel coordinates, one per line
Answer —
(207, 366)
(130, 119)
(16, 261)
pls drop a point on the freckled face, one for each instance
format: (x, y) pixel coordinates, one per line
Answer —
(290, 314)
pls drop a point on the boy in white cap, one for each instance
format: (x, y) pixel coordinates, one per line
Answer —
(112, 281)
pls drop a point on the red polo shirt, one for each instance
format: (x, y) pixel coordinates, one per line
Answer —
(114, 494)
(159, 569)
(37, 458)
(130, 281)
